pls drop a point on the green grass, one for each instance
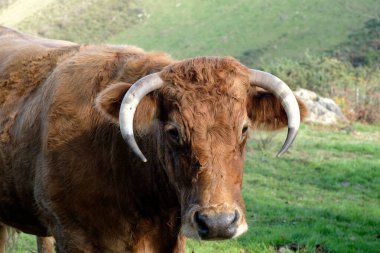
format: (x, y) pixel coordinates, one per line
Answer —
(325, 191)
(23, 243)
(261, 30)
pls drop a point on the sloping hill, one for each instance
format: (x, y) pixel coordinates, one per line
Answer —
(91, 21)
(259, 28)
(13, 12)
(248, 29)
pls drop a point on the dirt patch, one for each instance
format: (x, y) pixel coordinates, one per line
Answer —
(297, 248)
(320, 249)
(291, 246)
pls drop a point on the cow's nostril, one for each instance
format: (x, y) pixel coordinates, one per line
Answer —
(236, 218)
(216, 226)
(201, 221)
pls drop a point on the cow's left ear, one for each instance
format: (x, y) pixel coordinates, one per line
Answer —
(109, 100)
(266, 112)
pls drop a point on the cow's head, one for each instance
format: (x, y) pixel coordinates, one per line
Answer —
(202, 109)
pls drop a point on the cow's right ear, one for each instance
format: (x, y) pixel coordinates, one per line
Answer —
(109, 100)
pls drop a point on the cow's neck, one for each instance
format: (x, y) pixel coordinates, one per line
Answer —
(144, 192)
(146, 184)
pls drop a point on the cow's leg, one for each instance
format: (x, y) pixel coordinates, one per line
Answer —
(72, 241)
(71, 248)
(3, 237)
(45, 244)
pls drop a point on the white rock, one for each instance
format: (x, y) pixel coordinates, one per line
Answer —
(321, 110)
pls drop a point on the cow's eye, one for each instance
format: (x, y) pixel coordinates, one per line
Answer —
(173, 134)
(244, 130)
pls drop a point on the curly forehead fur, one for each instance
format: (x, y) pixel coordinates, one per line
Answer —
(210, 92)
(217, 76)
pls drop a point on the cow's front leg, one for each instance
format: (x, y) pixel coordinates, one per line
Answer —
(160, 243)
(67, 246)
(72, 241)
(3, 237)
(45, 244)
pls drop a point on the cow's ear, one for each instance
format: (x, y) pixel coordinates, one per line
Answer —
(266, 112)
(109, 100)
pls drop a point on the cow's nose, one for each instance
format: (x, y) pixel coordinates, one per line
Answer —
(216, 226)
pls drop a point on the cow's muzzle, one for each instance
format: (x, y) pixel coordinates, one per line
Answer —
(216, 226)
(216, 222)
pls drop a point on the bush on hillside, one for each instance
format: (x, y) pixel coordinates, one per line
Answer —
(355, 89)
(363, 46)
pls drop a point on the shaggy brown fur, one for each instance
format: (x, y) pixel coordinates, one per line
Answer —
(66, 171)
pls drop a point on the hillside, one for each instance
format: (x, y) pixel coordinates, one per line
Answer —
(258, 30)
(91, 21)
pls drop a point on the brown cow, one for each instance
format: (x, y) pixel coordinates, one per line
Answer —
(66, 170)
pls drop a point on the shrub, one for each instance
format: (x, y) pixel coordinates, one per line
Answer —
(362, 48)
(355, 89)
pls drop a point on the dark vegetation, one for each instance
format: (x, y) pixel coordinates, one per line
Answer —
(363, 46)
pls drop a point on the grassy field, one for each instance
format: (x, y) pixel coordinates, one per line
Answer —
(259, 29)
(325, 191)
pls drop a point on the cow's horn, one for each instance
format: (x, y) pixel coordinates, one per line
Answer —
(288, 101)
(128, 107)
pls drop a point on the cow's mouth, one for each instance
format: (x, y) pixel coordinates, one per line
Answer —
(217, 222)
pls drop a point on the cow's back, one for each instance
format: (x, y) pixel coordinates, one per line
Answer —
(26, 62)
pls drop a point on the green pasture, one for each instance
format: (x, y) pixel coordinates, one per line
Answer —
(260, 30)
(325, 191)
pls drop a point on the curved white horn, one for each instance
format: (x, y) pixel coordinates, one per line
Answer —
(128, 107)
(288, 101)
